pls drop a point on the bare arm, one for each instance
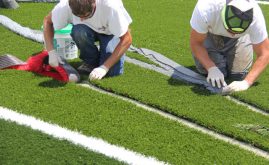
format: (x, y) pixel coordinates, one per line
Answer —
(198, 49)
(48, 32)
(262, 52)
(121, 48)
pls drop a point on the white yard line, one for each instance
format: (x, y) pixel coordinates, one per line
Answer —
(240, 144)
(90, 143)
(263, 2)
(250, 107)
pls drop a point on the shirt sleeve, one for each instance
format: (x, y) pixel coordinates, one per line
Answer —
(198, 22)
(61, 15)
(258, 32)
(119, 21)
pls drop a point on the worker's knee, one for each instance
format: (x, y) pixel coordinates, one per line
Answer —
(83, 35)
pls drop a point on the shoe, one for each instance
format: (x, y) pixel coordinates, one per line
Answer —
(85, 68)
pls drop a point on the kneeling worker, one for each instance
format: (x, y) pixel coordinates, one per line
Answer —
(104, 21)
(223, 36)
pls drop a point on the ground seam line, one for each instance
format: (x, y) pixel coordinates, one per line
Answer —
(250, 107)
(240, 144)
(163, 71)
(91, 143)
(167, 73)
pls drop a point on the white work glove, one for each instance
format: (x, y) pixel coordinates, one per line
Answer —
(236, 86)
(215, 76)
(98, 73)
(54, 58)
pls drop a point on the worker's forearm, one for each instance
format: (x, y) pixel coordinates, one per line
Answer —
(257, 68)
(120, 49)
(48, 34)
(202, 56)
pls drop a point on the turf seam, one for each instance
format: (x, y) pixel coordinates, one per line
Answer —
(91, 143)
(187, 118)
(220, 136)
(249, 106)
(176, 70)
(168, 73)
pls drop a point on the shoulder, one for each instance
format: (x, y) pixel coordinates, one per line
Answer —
(257, 29)
(110, 4)
(258, 18)
(63, 3)
(257, 10)
(210, 6)
(209, 10)
(62, 6)
(61, 14)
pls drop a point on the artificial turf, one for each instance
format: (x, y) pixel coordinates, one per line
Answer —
(168, 36)
(22, 145)
(116, 121)
(187, 101)
(164, 28)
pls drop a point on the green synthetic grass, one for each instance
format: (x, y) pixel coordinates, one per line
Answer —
(18, 46)
(255, 128)
(115, 121)
(168, 36)
(29, 14)
(212, 111)
(140, 58)
(21, 145)
(164, 27)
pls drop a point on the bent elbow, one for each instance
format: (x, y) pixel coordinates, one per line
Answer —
(47, 20)
(130, 41)
(127, 39)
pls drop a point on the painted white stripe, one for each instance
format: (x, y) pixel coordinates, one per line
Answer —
(240, 144)
(250, 107)
(90, 143)
(263, 2)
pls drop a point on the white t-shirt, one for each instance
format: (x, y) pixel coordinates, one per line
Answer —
(110, 17)
(206, 17)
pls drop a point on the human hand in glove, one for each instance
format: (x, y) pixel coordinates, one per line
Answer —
(215, 76)
(54, 59)
(98, 73)
(236, 86)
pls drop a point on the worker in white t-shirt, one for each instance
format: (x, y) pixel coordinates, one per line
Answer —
(103, 21)
(223, 36)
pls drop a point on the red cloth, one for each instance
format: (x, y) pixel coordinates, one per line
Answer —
(36, 64)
